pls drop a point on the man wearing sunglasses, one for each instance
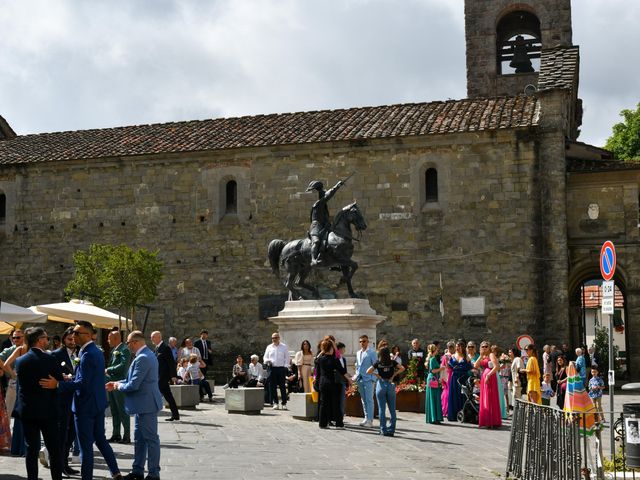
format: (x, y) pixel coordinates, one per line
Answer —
(38, 409)
(89, 401)
(142, 399)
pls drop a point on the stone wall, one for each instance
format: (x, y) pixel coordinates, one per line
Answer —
(483, 236)
(616, 219)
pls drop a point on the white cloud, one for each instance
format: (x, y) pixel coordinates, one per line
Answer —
(77, 65)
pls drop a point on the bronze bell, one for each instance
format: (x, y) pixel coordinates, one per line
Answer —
(521, 61)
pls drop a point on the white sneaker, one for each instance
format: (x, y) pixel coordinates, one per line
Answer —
(276, 406)
(43, 455)
(363, 422)
(368, 424)
(284, 407)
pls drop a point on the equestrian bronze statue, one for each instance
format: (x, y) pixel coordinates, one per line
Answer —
(328, 245)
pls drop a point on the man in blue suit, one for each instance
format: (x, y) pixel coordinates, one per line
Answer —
(89, 401)
(37, 408)
(142, 398)
(365, 358)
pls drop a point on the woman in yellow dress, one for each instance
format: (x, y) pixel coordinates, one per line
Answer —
(533, 375)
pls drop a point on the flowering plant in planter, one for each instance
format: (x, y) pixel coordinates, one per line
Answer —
(352, 391)
(411, 382)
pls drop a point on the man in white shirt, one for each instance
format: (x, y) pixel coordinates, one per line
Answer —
(276, 357)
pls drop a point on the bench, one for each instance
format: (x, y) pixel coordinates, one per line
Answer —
(186, 396)
(249, 401)
(302, 406)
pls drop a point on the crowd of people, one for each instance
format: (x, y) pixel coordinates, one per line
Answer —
(462, 383)
(59, 395)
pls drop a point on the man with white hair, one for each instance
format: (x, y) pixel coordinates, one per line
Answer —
(173, 345)
(546, 361)
(167, 373)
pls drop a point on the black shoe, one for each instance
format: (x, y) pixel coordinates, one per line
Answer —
(133, 476)
(70, 471)
(125, 440)
(114, 439)
(149, 477)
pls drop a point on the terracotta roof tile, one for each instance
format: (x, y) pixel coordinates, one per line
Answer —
(559, 68)
(277, 129)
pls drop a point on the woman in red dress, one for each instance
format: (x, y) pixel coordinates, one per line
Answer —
(490, 415)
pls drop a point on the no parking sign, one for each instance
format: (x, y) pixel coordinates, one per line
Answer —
(607, 260)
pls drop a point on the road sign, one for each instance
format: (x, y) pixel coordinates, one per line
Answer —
(608, 289)
(607, 260)
(523, 341)
(607, 306)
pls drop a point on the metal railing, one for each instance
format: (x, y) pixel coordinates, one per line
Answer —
(547, 443)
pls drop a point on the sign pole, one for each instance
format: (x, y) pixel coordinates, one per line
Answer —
(608, 263)
(612, 382)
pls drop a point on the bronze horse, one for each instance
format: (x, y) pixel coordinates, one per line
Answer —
(295, 256)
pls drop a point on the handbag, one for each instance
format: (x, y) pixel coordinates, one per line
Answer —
(434, 383)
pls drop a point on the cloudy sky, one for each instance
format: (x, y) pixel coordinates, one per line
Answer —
(70, 65)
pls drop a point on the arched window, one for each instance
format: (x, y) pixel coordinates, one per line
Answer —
(3, 208)
(231, 196)
(518, 39)
(431, 185)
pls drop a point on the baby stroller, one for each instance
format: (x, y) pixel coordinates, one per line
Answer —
(471, 407)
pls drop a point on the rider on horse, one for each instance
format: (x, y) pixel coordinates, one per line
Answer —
(320, 219)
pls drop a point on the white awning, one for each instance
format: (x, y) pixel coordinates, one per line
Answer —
(73, 310)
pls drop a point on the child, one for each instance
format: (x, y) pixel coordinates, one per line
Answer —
(596, 386)
(193, 370)
(182, 371)
(547, 391)
(476, 390)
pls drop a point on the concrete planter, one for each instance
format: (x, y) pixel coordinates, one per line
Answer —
(301, 405)
(186, 396)
(410, 401)
(249, 401)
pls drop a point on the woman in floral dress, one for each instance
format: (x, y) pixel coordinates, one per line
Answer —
(5, 427)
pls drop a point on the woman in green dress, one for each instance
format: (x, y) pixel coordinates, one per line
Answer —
(433, 405)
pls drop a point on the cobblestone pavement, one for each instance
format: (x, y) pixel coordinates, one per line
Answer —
(210, 442)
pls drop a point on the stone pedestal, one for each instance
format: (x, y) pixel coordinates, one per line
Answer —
(344, 318)
(185, 395)
(301, 405)
(249, 401)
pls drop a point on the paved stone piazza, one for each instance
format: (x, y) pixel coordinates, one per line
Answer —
(273, 445)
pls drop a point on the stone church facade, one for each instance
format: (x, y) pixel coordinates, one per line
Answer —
(481, 201)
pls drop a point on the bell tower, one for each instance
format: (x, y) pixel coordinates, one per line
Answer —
(505, 39)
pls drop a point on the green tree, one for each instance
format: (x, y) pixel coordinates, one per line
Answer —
(625, 140)
(116, 276)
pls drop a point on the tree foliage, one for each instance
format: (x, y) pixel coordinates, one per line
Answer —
(115, 276)
(625, 140)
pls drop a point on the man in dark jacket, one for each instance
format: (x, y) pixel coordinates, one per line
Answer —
(167, 373)
(37, 407)
(203, 344)
(66, 425)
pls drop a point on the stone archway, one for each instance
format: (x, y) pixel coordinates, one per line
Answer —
(584, 274)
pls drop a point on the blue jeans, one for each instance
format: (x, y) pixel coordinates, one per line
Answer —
(146, 444)
(386, 396)
(365, 387)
